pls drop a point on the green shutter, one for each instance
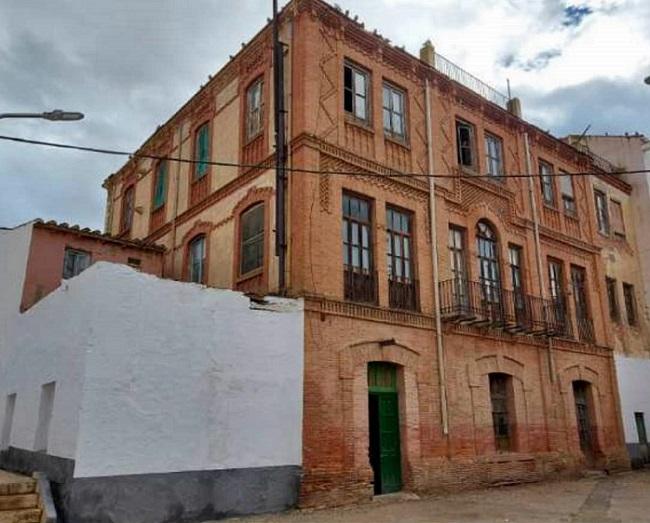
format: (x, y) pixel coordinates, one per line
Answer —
(202, 151)
(161, 186)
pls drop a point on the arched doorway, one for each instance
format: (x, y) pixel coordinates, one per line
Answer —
(384, 427)
(584, 418)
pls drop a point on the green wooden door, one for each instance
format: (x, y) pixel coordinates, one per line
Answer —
(389, 444)
(385, 440)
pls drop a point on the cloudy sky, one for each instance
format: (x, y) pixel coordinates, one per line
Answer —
(129, 64)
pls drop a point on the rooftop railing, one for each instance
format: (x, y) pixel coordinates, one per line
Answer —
(451, 70)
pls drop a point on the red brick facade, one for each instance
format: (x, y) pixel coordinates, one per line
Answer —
(342, 336)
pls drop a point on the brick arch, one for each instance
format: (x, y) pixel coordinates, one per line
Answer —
(199, 228)
(566, 377)
(353, 365)
(258, 281)
(479, 385)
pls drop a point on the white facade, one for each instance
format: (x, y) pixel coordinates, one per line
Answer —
(14, 251)
(155, 376)
(633, 379)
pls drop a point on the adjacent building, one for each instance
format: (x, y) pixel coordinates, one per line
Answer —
(455, 333)
(622, 207)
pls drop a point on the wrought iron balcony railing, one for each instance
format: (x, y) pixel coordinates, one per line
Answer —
(483, 304)
(403, 294)
(360, 286)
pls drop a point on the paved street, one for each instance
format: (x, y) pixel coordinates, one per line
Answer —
(613, 499)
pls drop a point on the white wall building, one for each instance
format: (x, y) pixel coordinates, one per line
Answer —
(148, 400)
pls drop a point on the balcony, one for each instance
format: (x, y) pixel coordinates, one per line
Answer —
(403, 294)
(360, 286)
(482, 305)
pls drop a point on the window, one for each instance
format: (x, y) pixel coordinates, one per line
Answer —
(360, 282)
(516, 275)
(568, 197)
(394, 111)
(74, 262)
(581, 303)
(197, 253)
(45, 410)
(640, 428)
(7, 423)
(602, 213)
(488, 259)
(355, 92)
(465, 144)
(399, 254)
(494, 156)
(254, 109)
(128, 206)
(500, 397)
(612, 300)
(618, 224)
(202, 151)
(136, 263)
(630, 303)
(548, 186)
(556, 292)
(458, 265)
(160, 185)
(252, 239)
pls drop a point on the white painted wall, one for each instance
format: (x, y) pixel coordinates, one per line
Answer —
(159, 376)
(634, 388)
(14, 251)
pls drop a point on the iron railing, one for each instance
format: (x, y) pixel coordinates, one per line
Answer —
(403, 294)
(456, 73)
(597, 160)
(360, 286)
(585, 329)
(483, 304)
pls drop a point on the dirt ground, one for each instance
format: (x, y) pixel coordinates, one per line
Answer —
(619, 498)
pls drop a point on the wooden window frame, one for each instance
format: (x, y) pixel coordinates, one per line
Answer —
(602, 212)
(260, 236)
(612, 299)
(354, 68)
(393, 89)
(403, 290)
(76, 251)
(461, 123)
(156, 178)
(500, 176)
(127, 216)
(502, 409)
(547, 181)
(196, 176)
(614, 203)
(631, 310)
(204, 266)
(569, 205)
(253, 133)
(493, 285)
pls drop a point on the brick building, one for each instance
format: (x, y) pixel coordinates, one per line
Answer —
(454, 326)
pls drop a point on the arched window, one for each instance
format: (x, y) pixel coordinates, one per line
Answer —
(196, 259)
(252, 239)
(488, 259)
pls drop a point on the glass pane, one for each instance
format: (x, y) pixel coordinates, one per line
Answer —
(366, 259)
(360, 106)
(386, 98)
(387, 124)
(398, 124)
(364, 237)
(359, 83)
(355, 256)
(344, 231)
(407, 248)
(397, 103)
(347, 77)
(364, 211)
(389, 244)
(355, 234)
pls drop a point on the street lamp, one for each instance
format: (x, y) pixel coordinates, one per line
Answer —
(54, 116)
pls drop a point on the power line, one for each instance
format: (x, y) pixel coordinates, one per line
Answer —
(115, 152)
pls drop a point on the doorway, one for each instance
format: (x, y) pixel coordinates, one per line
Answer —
(583, 415)
(384, 431)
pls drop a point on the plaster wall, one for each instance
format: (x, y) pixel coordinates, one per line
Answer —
(14, 251)
(193, 378)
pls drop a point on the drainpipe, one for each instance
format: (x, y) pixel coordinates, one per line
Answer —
(176, 193)
(538, 247)
(434, 256)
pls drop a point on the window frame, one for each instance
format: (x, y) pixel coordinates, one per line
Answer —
(631, 310)
(349, 226)
(394, 90)
(602, 212)
(190, 262)
(612, 299)
(156, 181)
(259, 237)
(127, 213)
(408, 237)
(489, 159)
(547, 181)
(197, 173)
(491, 284)
(74, 251)
(357, 70)
(461, 123)
(569, 205)
(253, 132)
(617, 204)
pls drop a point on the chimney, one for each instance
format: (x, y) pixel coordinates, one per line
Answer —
(514, 107)
(428, 53)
